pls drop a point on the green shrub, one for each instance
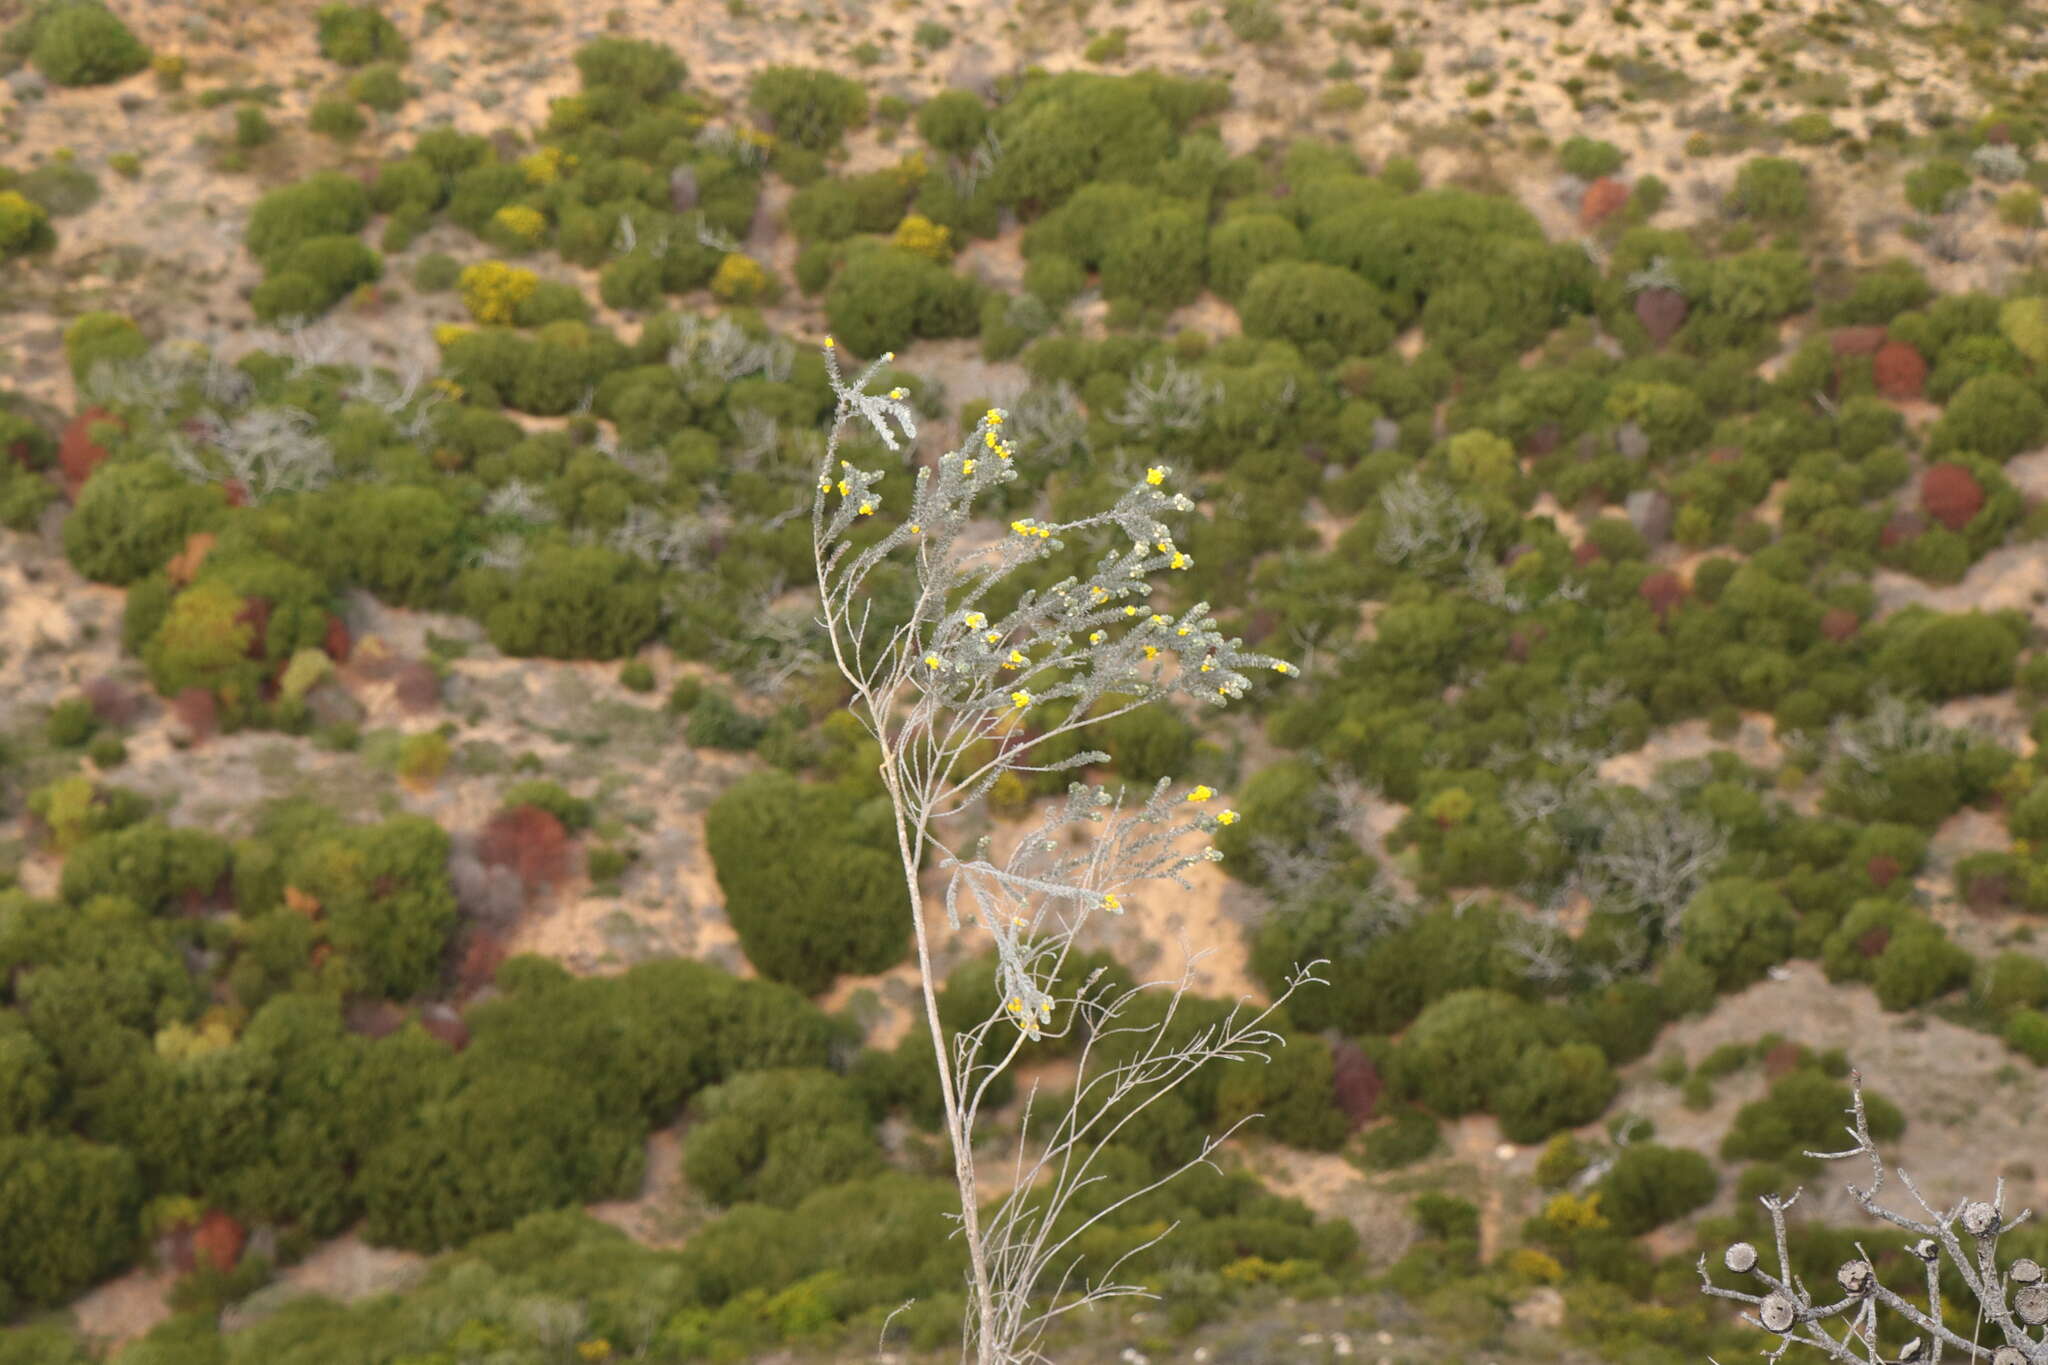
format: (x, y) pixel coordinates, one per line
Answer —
(647, 71)
(81, 42)
(2013, 981)
(356, 35)
(1315, 305)
(1240, 247)
(70, 1208)
(313, 275)
(150, 865)
(1942, 656)
(1155, 260)
(1738, 927)
(1803, 1111)
(808, 107)
(324, 204)
(812, 880)
(252, 128)
(953, 121)
(336, 118)
(1936, 186)
(97, 336)
(1410, 1136)
(1588, 158)
(24, 226)
(568, 602)
(1649, 1186)
(886, 296)
(2026, 1032)
(436, 272)
(132, 517)
(743, 1147)
(1772, 189)
(1993, 415)
(381, 87)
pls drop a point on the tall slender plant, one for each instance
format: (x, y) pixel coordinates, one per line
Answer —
(957, 697)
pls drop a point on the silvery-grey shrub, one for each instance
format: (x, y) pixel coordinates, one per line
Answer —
(1843, 1321)
(930, 690)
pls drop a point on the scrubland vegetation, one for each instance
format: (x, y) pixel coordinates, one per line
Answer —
(1518, 503)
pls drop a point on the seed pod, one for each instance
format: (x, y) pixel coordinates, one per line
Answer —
(1979, 1218)
(1740, 1258)
(1777, 1312)
(1927, 1249)
(2008, 1355)
(1911, 1353)
(2025, 1271)
(1855, 1277)
(2031, 1303)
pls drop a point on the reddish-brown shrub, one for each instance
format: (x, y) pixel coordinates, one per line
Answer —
(1546, 438)
(195, 714)
(528, 840)
(1857, 340)
(111, 702)
(1986, 892)
(337, 640)
(1602, 200)
(416, 686)
(1883, 870)
(1901, 371)
(482, 954)
(1950, 495)
(1839, 623)
(218, 1241)
(1584, 553)
(1874, 943)
(372, 1018)
(1662, 312)
(1357, 1082)
(1663, 590)
(1904, 525)
(235, 492)
(255, 613)
(78, 454)
(1782, 1060)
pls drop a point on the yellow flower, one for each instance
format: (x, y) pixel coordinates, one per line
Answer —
(1283, 668)
(897, 393)
(829, 343)
(989, 439)
(976, 619)
(992, 637)
(1021, 698)
(1099, 591)
(824, 485)
(1045, 1009)
(1022, 528)
(842, 488)
(1016, 1005)
(967, 466)
(1208, 665)
(915, 528)
(1180, 561)
(1151, 651)
(934, 661)
(1112, 903)
(1156, 475)
(995, 419)
(1182, 631)
(1200, 794)
(1130, 611)
(1016, 659)
(1165, 545)
(1095, 637)
(867, 509)
(1228, 817)
(1159, 618)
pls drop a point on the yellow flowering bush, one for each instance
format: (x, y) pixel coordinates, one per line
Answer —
(1528, 1263)
(520, 224)
(448, 333)
(920, 234)
(740, 279)
(1569, 1212)
(544, 167)
(492, 290)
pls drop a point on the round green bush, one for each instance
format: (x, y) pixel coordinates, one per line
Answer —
(82, 42)
(101, 336)
(1311, 304)
(70, 1207)
(2026, 1032)
(808, 107)
(568, 602)
(1942, 656)
(885, 296)
(324, 204)
(953, 121)
(24, 226)
(1156, 260)
(1649, 1186)
(647, 71)
(1240, 246)
(1588, 158)
(813, 883)
(356, 35)
(1934, 187)
(132, 517)
(744, 1148)
(336, 118)
(1771, 188)
(1737, 927)
(380, 87)
(1994, 415)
